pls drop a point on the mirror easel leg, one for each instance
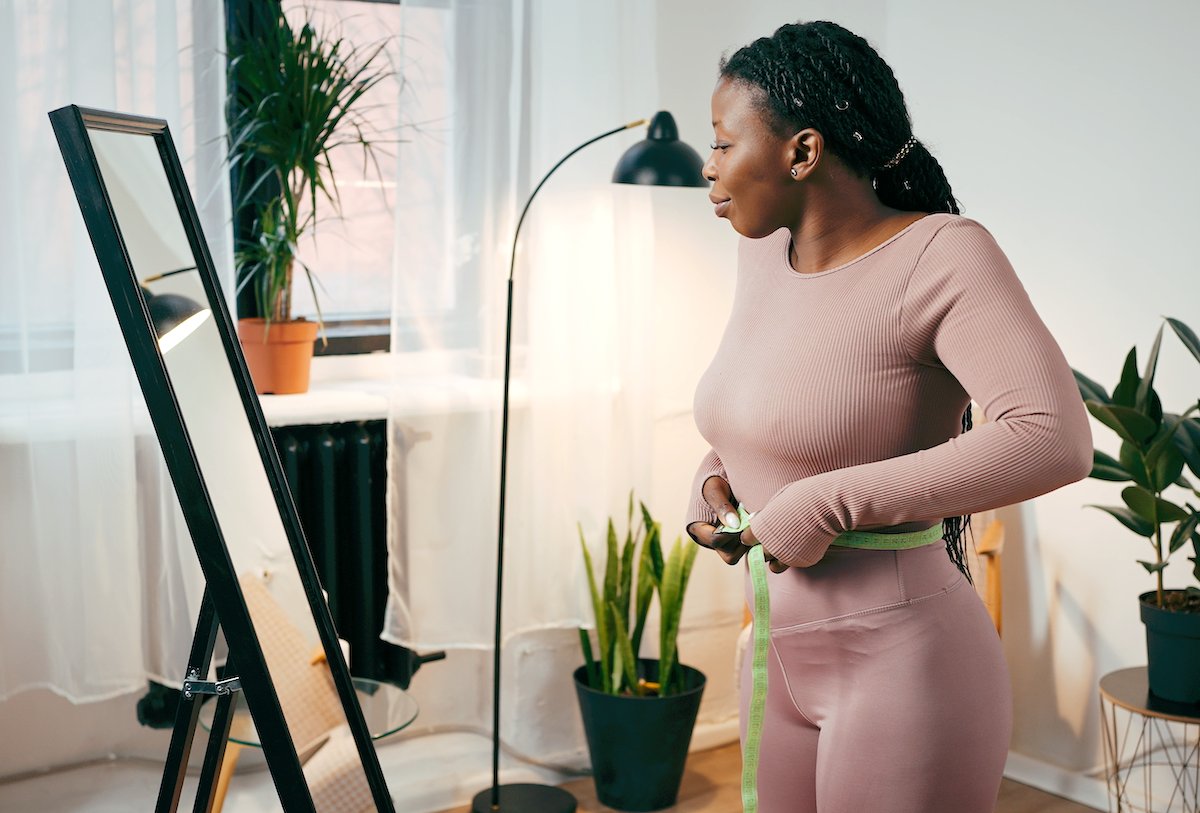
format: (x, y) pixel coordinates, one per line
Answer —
(175, 769)
(214, 756)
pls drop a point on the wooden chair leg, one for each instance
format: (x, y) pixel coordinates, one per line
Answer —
(228, 765)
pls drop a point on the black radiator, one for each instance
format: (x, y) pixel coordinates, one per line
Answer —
(337, 474)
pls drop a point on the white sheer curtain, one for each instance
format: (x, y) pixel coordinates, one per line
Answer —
(522, 84)
(99, 586)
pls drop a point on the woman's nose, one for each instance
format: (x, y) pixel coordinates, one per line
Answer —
(710, 169)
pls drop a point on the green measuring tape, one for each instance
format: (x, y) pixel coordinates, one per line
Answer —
(762, 632)
(758, 671)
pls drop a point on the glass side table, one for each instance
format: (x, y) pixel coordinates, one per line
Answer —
(1151, 747)
(386, 709)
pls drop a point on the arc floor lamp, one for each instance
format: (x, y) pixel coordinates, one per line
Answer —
(661, 159)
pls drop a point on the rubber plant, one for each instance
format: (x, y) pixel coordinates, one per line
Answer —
(1155, 447)
(295, 97)
(614, 669)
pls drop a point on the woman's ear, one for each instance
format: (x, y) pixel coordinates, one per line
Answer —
(804, 152)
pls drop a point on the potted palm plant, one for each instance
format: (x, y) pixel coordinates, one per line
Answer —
(638, 713)
(1155, 447)
(295, 96)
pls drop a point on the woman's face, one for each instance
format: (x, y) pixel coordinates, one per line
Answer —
(750, 166)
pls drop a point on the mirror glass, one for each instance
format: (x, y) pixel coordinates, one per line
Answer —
(230, 463)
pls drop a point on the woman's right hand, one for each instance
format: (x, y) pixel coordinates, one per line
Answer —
(720, 499)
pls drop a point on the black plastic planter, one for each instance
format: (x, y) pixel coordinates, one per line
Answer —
(639, 744)
(1172, 651)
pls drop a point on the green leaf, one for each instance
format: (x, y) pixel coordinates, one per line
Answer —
(1151, 508)
(1167, 469)
(1106, 467)
(1125, 393)
(1183, 532)
(645, 593)
(593, 672)
(1131, 461)
(1142, 399)
(603, 633)
(1152, 567)
(1127, 518)
(628, 663)
(670, 598)
(626, 588)
(1127, 422)
(1164, 438)
(1187, 441)
(1187, 336)
(611, 568)
(1089, 390)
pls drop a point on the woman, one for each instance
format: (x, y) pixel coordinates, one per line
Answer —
(867, 315)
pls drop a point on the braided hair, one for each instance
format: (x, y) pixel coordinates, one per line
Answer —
(820, 75)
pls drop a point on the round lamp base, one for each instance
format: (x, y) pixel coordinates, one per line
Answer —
(525, 798)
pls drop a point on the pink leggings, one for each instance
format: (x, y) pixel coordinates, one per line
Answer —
(887, 688)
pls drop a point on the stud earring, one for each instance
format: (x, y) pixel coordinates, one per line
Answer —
(794, 172)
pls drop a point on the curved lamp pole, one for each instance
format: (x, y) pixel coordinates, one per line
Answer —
(659, 160)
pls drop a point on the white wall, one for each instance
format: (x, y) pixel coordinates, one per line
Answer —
(1068, 129)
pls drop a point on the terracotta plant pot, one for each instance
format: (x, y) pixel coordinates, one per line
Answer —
(280, 357)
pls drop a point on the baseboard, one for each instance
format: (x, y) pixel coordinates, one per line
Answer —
(714, 735)
(1086, 790)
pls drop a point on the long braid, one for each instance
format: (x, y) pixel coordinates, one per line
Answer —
(953, 527)
(820, 75)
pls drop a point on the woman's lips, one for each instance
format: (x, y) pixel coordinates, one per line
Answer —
(721, 208)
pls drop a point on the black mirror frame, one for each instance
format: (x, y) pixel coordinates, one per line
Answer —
(71, 125)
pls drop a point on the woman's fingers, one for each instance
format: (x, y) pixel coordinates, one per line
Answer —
(728, 546)
(719, 497)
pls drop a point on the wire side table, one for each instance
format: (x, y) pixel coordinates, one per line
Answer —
(1151, 747)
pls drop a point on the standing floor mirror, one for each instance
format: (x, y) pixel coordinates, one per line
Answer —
(231, 487)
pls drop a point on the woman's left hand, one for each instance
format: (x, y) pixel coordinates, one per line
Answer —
(749, 540)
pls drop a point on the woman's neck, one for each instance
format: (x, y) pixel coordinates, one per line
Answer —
(842, 224)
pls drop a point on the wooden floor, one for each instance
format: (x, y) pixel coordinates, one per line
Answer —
(712, 784)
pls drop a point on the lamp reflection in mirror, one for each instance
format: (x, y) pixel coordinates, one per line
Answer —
(175, 316)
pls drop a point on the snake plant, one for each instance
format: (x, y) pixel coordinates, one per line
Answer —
(615, 595)
(1155, 446)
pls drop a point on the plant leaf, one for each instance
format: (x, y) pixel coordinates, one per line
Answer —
(592, 672)
(1131, 461)
(603, 634)
(1089, 390)
(1125, 393)
(645, 593)
(670, 598)
(1152, 567)
(1164, 437)
(1127, 422)
(628, 663)
(1186, 335)
(611, 568)
(1106, 467)
(1127, 518)
(1141, 400)
(1183, 532)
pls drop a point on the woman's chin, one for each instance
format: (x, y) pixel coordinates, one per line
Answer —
(751, 232)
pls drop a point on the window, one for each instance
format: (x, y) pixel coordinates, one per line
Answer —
(351, 257)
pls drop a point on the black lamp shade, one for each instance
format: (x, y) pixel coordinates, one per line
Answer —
(174, 316)
(661, 159)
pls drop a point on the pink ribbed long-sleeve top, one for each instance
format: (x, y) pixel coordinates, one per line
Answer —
(835, 399)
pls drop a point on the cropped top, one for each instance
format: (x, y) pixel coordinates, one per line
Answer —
(834, 400)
